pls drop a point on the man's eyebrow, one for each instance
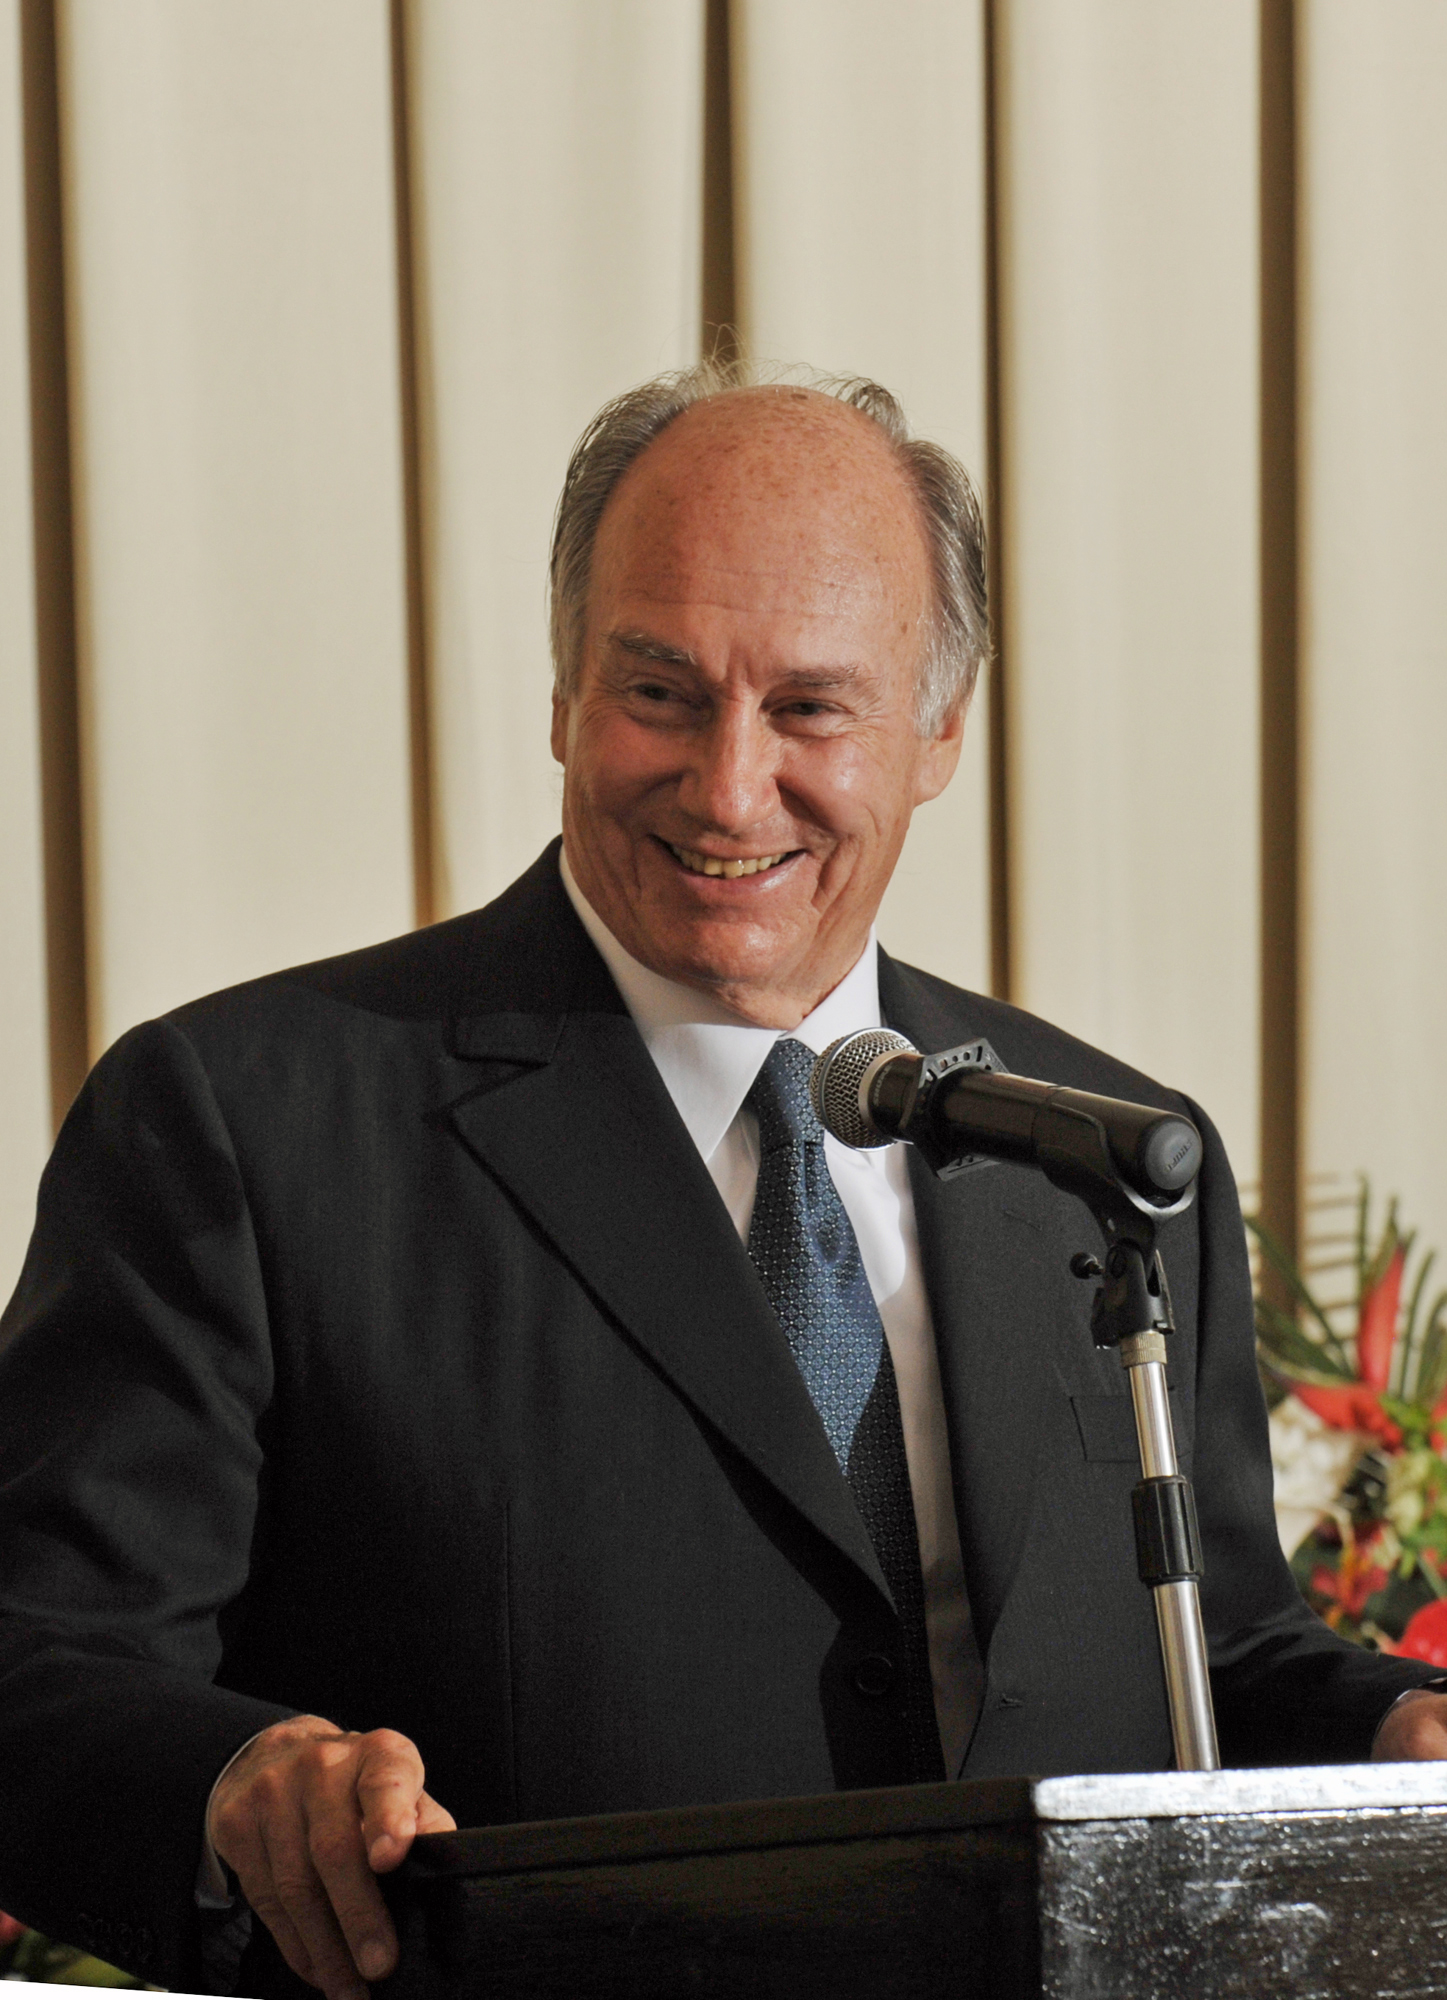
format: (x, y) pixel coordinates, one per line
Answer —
(822, 680)
(645, 648)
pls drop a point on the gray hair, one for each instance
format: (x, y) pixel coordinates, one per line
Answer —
(957, 639)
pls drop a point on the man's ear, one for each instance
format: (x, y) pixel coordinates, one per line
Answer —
(939, 755)
(562, 711)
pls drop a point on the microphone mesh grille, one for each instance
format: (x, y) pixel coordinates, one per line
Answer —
(837, 1075)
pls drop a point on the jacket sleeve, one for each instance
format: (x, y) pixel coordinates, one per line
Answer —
(135, 1363)
(1287, 1690)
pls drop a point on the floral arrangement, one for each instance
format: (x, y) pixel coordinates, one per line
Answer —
(1359, 1432)
(26, 1955)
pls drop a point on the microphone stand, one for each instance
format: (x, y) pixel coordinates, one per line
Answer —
(1135, 1296)
(1132, 1313)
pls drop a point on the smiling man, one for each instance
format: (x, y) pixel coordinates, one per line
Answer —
(472, 1350)
(742, 740)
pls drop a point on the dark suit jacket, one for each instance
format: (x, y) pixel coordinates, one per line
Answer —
(384, 1350)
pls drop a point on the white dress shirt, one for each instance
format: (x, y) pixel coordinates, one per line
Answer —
(708, 1060)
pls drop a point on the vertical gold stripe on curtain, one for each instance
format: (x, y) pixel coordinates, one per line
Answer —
(557, 199)
(24, 1041)
(1128, 357)
(1279, 531)
(1373, 225)
(859, 173)
(233, 350)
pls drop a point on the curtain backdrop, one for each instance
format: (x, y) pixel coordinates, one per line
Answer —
(303, 303)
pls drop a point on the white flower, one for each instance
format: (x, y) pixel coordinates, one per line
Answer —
(1311, 1462)
(1407, 1476)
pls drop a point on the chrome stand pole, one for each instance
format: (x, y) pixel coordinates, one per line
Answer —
(1168, 1550)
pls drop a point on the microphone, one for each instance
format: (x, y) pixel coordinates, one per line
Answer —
(874, 1087)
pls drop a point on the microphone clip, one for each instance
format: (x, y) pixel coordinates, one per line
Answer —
(1134, 1298)
(935, 1148)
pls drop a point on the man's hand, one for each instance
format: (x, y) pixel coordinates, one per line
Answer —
(1415, 1729)
(308, 1816)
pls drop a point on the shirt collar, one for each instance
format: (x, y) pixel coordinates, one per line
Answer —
(707, 1057)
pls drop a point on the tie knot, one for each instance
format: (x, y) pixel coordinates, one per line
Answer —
(780, 1098)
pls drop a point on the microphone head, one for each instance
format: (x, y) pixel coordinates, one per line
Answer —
(1170, 1155)
(841, 1077)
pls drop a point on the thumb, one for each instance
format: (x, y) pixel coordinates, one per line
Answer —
(433, 1818)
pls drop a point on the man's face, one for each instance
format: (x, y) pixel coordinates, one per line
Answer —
(740, 754)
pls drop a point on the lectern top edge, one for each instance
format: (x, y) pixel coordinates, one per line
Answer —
(910, 1810)
(719, 1829)
(1195, 1794)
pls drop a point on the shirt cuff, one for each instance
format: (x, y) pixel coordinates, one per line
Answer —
(1439, 1686)
(214, 1890)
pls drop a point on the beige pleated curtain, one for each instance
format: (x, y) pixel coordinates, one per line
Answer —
(303, 302)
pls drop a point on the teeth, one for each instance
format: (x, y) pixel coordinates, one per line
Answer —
(710, 864)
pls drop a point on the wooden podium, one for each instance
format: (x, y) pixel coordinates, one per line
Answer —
(1203, 1886)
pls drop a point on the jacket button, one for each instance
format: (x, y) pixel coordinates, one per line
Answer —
(874, 1675)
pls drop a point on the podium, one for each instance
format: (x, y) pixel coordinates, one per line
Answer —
(1323, 1881)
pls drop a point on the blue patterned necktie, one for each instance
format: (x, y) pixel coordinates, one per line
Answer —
(805, 1251)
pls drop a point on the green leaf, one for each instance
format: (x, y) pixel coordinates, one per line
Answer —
(1281, 1332)
(1301, 1360)
(1432, 1368)
(1282, 1263)
(1410, 1363)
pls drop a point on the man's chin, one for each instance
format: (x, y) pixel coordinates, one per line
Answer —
(734, 960)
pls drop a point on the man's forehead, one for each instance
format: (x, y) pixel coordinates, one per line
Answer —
(801, 581)
(762, 481)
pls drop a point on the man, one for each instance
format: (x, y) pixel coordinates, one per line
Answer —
(459, 1350)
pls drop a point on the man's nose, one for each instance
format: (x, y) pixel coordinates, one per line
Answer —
(731, 780)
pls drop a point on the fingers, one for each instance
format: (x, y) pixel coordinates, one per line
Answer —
(389, 1786)
(244, 1850)
(1415, 1730)
(296, 1906)
(297, 1817)
(350, 1903)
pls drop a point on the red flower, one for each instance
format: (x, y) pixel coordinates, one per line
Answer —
(1377, 1323)
(1356, 1577)
(1426, 1635)
(1355, 1406)
(10, 1929)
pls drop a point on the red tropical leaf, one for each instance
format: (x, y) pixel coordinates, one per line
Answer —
(1426, 1635)
(1353, 1407)
(1377, 1324)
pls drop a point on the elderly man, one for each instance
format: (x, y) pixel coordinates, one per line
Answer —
(470, 1349)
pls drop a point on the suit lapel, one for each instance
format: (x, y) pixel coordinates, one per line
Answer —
(986, 1242)
(989, 1248)
(585, 1136)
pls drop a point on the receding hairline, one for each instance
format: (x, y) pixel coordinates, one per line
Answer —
(860, 426)
(788, 399)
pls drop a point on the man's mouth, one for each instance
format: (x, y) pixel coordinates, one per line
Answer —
(713, 864)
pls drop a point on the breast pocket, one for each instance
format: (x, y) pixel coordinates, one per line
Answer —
(1107, 1427)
